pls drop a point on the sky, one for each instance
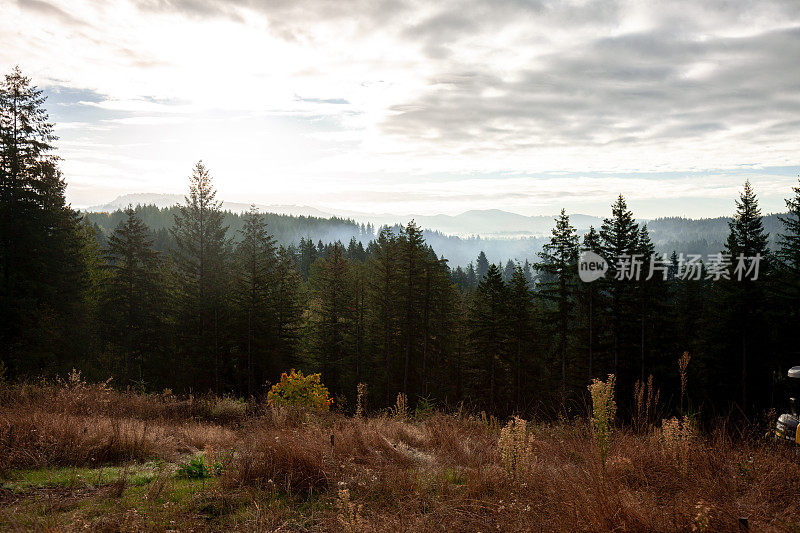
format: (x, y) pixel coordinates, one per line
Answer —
(421, 107)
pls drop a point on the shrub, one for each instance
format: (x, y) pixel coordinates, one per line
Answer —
(646, 399)
(400, 409)
(683, 364)
(677, 435)
(290, 461)
(195, 469)
(300, 391)
(425, 409)
(515, 448)
(227, 409)
(604, 410)
(200, 467)
(349, 514)
(361, 399)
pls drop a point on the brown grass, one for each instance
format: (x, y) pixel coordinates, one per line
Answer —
(284, 469)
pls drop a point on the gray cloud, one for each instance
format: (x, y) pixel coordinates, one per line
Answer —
(699, 69)
(632, 87)
(289, 19)
(47, 9)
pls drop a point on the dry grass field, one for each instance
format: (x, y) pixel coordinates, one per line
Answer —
(77, 456)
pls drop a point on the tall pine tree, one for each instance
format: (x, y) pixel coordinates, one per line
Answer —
(745, 298)
(43, 273)
(133, 293)
(200, 262)
(558, 273)
(256, 265)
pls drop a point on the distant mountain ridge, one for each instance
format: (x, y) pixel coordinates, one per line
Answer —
(169, 200)
(501, 234)
(494, 223)
(682, 235)
(490, 223)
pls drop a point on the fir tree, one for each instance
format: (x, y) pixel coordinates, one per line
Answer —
(558, 270)
(286, 299)
(789, 241)
(482, 266)
(745, 298)
(256, 263)
(382, 293)
(489, 328)
(590, 293)
(332, 316)
(472, 276)
(43, 274)
(200, 261)
(520, 302)
(133, 291)
(508, 271)
(619, 237)
(412, 262)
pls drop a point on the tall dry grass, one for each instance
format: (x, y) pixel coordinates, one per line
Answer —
(392, 474)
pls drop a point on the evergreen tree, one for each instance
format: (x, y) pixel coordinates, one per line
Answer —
(287, 302)
(619, 237)
(482, 266)
(745, 297)
(489, 331)
(472, 276)
(256, 264)
(459, 277)
(787, 283)
(651, 293)
(521, 311)
(527, 269)
(508, 271)
(332, 318)
(308, 254)
(200, 262)
(590, 296)
(382, 294)
(133, 292)
(412, 257)
(43, 273)
(559, 268)
(789, 242)
(437, 318)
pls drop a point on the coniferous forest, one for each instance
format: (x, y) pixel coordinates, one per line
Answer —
(204, 307)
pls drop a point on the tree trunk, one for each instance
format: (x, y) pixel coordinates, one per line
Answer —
(425, 339)
(591, 334)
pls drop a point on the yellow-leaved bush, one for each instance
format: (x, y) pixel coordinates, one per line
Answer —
(300, 391)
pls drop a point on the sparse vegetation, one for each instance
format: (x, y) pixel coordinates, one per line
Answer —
(604, 409)
(297, 390)
(108, 460)
(400, 409)
(516, 448)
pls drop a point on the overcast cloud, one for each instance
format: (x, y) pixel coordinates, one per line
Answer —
(421, 106)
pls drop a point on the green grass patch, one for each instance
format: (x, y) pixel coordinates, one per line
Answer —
(152, 497)
(76, 477)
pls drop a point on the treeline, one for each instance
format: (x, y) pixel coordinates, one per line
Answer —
(703, 236)
(228, 309)
(289, 230)
(286, 229)
(695, 236)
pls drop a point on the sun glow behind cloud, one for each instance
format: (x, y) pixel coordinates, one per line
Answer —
(419, 107)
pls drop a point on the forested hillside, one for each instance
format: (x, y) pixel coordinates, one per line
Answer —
(703, 236)
(289, 230)
(194, 299)
(674, 234)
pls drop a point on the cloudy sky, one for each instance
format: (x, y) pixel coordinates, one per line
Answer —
(421, 107)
